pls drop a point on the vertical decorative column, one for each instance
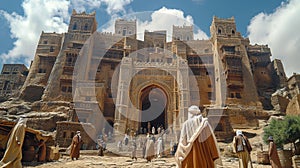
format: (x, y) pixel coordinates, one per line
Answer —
(175, 103)
(183, 79)
(123, 100)
(220, 80)
(184, 96)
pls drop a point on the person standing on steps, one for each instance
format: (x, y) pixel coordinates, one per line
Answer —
(159, 147)
(149, 153)
(133, 152)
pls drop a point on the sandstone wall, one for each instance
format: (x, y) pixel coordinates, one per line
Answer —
(293, 107)
(66, 131)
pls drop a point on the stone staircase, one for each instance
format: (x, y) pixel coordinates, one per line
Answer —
(112, 146)
(296, 161)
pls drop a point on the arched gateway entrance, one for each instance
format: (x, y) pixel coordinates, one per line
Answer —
(153, 106)
(151, 94)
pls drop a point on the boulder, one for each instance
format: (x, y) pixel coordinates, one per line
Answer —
(45, 120)
(279, 103)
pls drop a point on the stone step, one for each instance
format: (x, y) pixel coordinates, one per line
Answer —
(296, 161)
(113, 147)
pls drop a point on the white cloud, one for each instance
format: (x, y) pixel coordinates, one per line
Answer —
(114, 6)
(164, 19)
(280, 30)
(38, 16)
(48, 16)
(82, 5)
(201, 35)
(161, 19)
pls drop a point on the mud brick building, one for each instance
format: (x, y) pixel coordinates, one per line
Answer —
(112, 77)
(12, 78)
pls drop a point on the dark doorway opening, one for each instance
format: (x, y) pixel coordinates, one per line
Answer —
(153, 106)
(109, 127)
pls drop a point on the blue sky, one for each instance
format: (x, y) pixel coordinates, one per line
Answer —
(275, 22)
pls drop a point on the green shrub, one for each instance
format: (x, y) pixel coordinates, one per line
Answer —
(283, 131)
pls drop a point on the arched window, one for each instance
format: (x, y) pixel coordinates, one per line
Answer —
(219, 31)
(75, 26)
(233, 32)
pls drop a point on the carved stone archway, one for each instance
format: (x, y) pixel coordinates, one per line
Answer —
(161, 102)
(173, 79)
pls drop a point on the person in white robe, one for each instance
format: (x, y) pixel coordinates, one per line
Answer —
(13, 153)
(197, 146)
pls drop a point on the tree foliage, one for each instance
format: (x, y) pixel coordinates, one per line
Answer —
(283, 131)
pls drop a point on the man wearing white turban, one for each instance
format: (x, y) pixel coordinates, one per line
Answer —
(197, 145)
(13, 153)
(242, 147)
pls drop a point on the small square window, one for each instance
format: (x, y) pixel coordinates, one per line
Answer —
(231, 95)
(238, 95)
(51, 49)
(210, 96)
(42, 70)
(64, 89)
(112, 67)
(69, 89)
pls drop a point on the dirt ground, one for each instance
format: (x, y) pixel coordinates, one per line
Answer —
(123, 162)
(91, 160)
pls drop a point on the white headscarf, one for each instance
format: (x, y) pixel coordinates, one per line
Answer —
(239, 132)
(193, 111)
(78, 134)
(22, 121)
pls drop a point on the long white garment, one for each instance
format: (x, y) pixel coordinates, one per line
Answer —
(190, 132)
(159, 148)
(13, 153)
